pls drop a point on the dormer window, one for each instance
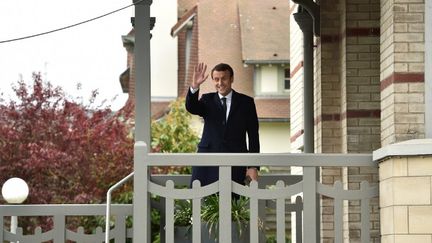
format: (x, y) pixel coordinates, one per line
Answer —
(271, 80)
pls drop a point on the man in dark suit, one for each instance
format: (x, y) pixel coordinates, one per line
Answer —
(228, 117)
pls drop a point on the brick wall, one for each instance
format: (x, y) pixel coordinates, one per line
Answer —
(185, 77)
(402, 70)
(131, 66)
(296, 91)
(219, 41)
(346, 98)
(328, 96)
(405, 191)
(183, 6)
(361, 108)
(327, 81)
(182, 83)
(360, 113)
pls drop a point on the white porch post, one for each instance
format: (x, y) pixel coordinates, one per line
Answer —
(141, 208)
(142, 71)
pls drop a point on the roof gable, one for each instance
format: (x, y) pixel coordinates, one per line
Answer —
(265, 30)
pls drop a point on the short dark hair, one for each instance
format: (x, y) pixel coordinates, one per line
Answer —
(223, 67)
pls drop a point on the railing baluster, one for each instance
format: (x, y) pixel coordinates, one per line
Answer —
(162, 219)
(225, 191)
(338, 214)
(2, 226)
(253, 228)
(80, 233)
(310, 205)
(120, 228)
(280, 215)
(196, 215)
(262, 215)
(365, 217)
(169, 215)
(19, 234)
(298, 213)
(59, 228)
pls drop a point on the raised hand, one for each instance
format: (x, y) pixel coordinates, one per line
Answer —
(199, 75)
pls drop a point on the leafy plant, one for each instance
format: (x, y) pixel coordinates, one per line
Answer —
(71, 152)
(239, 213)
(272, 239)
(183, 213)
(173, 134)
(67, 151)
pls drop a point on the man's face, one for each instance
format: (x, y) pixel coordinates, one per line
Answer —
(222, 81)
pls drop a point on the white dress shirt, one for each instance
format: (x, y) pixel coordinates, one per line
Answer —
(228, 102)
(228, 99)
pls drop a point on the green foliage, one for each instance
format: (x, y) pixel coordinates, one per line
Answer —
(69, 152)
(172, 133)
(272, 239)
(183, 213)
(239, 213)
(66, 151)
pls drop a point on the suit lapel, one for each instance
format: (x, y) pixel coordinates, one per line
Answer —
(234, 104)
(217, 102)
(218, 105)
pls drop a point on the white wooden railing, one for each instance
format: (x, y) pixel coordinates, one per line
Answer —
(283, 190)
(308, 187)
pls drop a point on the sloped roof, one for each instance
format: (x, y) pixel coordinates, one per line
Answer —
(159, 109)
(264, 26)
(124, 80)
(183, 21)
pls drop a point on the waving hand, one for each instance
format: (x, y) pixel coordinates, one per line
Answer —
(199, 75)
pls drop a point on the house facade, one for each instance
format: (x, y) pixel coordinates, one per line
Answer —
(371, 95)
(370, 85)
(251, 36)
(369, 91)
(163, 56)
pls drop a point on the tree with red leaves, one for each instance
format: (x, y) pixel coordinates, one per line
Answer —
(66, 151)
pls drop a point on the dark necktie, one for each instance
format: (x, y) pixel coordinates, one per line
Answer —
(224, 106)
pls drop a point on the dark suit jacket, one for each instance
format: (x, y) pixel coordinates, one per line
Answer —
(219, 136)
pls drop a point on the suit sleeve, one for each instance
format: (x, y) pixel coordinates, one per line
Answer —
(193, 105)
(252, 129)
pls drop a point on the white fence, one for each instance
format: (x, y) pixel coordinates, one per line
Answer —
(277, 190)
(308, 187)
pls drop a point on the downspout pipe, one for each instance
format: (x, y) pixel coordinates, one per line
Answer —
(311, 198)
(308, 19)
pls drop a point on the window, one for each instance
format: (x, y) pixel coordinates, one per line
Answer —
(287, 81)
(271, 80)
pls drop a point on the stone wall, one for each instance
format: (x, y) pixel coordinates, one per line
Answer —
(405, 175)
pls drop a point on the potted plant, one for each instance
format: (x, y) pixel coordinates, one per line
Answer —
(210, 220)
(239, 217)
(183, 221)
